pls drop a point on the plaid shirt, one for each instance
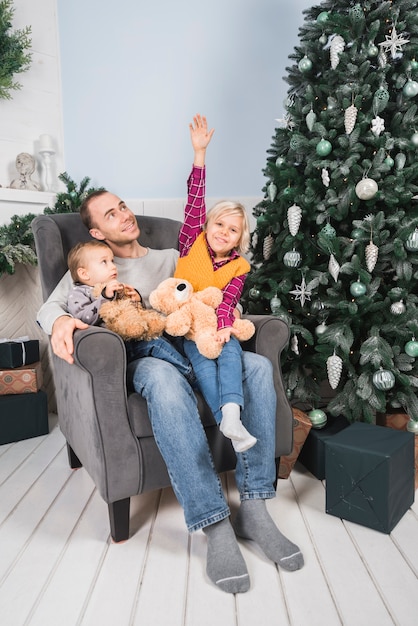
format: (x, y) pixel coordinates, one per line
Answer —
(194, 220)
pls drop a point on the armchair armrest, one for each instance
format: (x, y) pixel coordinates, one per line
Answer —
(95, 385)
(271, 336)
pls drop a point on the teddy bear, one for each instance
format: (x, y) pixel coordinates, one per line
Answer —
(129, 318)
(193, 314)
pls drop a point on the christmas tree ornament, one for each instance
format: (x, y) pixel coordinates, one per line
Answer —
(412, 427)
(334, 369)
(356, 13)
(400, 160)
(414, 65)
(301, 292)
(383, 379)
(323, 39)
(393, 43)
(310, 119)
(325, 177)
(320, 329)
(372, 50)
(268, 246)
(371, 253)
(334, 267)
(254, 239)
(305, 65)
(329, 231)
(382, 59)
(380, 99)
(411, 243)
(331, 103)
(287, 192)
(254, 293)
(336, 48)
(292, 258)
(294, 217)
(410, 89)
(389, 161)
(357, 289)
(280, 161)
(366, 189)
(350, 116)
(323, 148)
(397, 308)
(272, 191)
(411, 348)
(294, 345)
(414, 138)
(289, 394)
(378, 126)
(318, 418)
(322, 17)
(275, 304)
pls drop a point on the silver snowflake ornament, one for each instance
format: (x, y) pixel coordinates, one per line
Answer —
(378, 125)
(393, 43)
(301, 292)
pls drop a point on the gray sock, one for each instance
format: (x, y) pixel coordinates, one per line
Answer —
(225, 563)
(253, 521)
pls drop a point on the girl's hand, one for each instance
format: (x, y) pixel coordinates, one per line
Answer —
(199, 133)
(223, 335)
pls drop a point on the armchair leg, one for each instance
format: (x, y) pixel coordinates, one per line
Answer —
(73, 459)
(277, 472)
(119, 519)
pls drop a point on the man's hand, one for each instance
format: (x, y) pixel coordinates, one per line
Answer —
(62, 336)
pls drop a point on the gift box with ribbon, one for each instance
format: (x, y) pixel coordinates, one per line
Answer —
(18, 352)
(24, 379)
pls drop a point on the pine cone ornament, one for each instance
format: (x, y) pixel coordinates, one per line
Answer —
(337, 46)
(372, 252)
(267, 246)
(333, 267)
(272, 191)
(310, 119)
(294, 217)
(334, 369)
(350, 117)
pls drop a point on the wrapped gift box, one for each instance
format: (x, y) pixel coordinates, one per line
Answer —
(370, 475)
(25, 379)
(23, 416)
(398, 421)
(301, 427)
(312, 455)
(17, 353)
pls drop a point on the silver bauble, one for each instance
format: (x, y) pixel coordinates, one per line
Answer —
(366, 189)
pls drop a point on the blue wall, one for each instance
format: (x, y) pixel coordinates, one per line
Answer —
(134, 72)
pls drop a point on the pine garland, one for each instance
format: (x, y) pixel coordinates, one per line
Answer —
(16, 239)
(14, 46)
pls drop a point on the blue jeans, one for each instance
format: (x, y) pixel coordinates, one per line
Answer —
(219, 380)
(160, 348)
(182, 441)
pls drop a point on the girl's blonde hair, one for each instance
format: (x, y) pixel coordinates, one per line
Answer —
(228, 207)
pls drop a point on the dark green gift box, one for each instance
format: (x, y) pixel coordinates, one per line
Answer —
(312, 455)
(370, 475)
(18, 353)
(23, 416)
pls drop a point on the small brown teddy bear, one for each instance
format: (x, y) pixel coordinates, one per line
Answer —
(192, 314)
(129, 318)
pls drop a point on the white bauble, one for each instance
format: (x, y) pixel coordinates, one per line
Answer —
(366, 189)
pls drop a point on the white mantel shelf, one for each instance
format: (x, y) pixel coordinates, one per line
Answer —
(22, 202)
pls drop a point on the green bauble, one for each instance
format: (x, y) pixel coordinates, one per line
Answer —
(372, 50)
(412, 426)
(411, 348)
(329, 231)
(323, 148)
(383, 379)
(305, 65)
(322, 17)
(414, 65)
(389, 161)
(254, 293)
(357, 289)
(318, 418)
(280, 161)
(410, 89)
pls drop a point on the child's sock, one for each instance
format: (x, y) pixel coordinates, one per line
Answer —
(253, 521)
(232, 427)
(225, 563)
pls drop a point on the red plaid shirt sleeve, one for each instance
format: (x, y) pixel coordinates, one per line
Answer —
(194, 211)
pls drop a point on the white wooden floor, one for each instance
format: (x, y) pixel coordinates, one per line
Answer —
(58, 566)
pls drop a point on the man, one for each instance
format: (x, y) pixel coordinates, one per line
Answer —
(173, 412)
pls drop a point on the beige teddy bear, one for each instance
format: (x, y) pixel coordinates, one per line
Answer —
(193, 314)
(129, 318)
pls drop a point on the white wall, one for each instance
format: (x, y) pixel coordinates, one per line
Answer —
(135, 71)
(36, 108)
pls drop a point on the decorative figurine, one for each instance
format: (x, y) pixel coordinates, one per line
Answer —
(25, 165)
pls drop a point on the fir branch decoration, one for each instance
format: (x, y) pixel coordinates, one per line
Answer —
(14, 46)
(16, 239)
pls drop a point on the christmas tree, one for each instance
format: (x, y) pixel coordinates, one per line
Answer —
(335, 246)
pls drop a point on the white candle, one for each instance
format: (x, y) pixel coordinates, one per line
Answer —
(46, 143)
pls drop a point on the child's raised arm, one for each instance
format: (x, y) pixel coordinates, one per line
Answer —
(200, 137)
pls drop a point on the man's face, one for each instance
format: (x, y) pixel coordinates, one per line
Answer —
(112, 220)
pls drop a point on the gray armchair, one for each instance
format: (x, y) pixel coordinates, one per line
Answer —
(106, 425)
